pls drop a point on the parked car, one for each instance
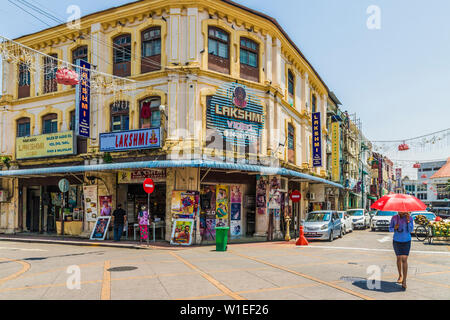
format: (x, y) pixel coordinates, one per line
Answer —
(322, 225)
(346, 222)
(372, 214)
(382, 220)
(360, 218)
(429, 215)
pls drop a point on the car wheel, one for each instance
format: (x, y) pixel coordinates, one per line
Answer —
(340, 234)
(345, 230)
(373, 229)
(331, 237)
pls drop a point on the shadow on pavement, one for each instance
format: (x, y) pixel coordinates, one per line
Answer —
(385, 286)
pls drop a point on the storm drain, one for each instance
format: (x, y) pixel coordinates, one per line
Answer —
(122, 269)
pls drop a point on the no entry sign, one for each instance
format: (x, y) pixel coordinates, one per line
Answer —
(149, 186)
(296, 196)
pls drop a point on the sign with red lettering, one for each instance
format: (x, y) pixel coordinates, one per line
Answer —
(149, 186)
(130, 140)
(296, 196)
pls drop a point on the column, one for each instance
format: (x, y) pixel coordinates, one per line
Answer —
(174, 35)
(269, 58)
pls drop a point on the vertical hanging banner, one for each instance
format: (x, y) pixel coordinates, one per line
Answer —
(335, 151)
(83, 100)
(316, 140)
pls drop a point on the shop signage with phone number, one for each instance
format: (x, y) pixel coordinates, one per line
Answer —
(46, 145)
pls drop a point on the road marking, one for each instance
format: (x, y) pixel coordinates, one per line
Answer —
(216, 283)
(25, 267)
(367, 249)
(329, 284)
(385, 239)
(106, 282)
(22, 249)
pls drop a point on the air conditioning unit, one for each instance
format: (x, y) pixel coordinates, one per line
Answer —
(3, 196)
(311, 196)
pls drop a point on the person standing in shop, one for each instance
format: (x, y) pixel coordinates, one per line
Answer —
(119, 217)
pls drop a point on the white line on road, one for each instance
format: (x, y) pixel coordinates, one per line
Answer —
(367, 249)
(21, 249)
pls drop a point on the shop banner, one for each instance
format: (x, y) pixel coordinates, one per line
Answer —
(222, 209)
(46, 145)
(335, 151)
(317, 140)
(83, 100)
(90, 203)
(182, 232)
(101, 228)
(138, 176)
(185, 204)
(130, 140)
(275, 193)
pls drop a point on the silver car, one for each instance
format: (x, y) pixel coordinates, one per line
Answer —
(346, 222)
(322, 225)
(360, 218)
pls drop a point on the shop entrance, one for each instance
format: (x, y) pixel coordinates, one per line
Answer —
(35, 212)
(138, 198)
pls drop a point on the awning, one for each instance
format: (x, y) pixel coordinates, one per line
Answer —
(164, 164)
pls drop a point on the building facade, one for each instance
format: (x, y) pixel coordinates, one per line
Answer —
(219, 100)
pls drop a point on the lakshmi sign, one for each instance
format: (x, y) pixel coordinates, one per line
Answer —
(236, 113)
(130, 140)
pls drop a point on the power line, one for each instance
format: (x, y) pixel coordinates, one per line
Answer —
(410, 139)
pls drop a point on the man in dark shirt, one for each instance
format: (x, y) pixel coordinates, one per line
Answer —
(119, 219)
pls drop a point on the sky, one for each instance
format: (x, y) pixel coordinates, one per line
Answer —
(395, 78)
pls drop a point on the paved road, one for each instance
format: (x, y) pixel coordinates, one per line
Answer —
(323, 270)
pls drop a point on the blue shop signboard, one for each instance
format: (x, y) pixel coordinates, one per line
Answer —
(130, 140)
(316, 140)
(83, 100)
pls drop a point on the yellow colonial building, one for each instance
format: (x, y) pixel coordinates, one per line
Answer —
(210, 99)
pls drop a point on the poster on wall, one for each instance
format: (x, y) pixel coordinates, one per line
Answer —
(235, 229)
(261, 192)
(222, 209)
(208, 199)
(101, 228)
(90, 203)
(106, 205)
(275, 193)
(210, 232)
(182, 232)
(235, 211)
(236, 194)
(185, 204)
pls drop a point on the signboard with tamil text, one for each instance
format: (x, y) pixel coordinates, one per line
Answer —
(46, 145)
(130, 140)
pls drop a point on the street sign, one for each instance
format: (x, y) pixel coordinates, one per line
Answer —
(296, 196)
(63, 185)
(149, 186)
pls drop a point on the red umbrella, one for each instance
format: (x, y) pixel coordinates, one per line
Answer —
(399, 202)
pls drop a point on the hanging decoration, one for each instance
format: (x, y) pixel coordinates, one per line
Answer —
(424, 176)
(67, 77)
(403, 147)
(416, 166)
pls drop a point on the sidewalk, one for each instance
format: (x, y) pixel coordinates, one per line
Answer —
(76, 241)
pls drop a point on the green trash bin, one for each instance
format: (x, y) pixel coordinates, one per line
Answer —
(221, 238)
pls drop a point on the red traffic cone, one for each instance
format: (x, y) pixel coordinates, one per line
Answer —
(302, 240)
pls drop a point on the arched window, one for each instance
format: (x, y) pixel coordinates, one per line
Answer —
(314, 103)
(50, 68)
(218, 50)
(291, 87)
(291, 143)
(149, 113)
(23, 127)
(50, 123)
(24, 81)
(122, 55)
(80, 53)
(151, 50)
(249, 58)
(120, 116)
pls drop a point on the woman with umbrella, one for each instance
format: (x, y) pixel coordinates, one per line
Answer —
(402, 225)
